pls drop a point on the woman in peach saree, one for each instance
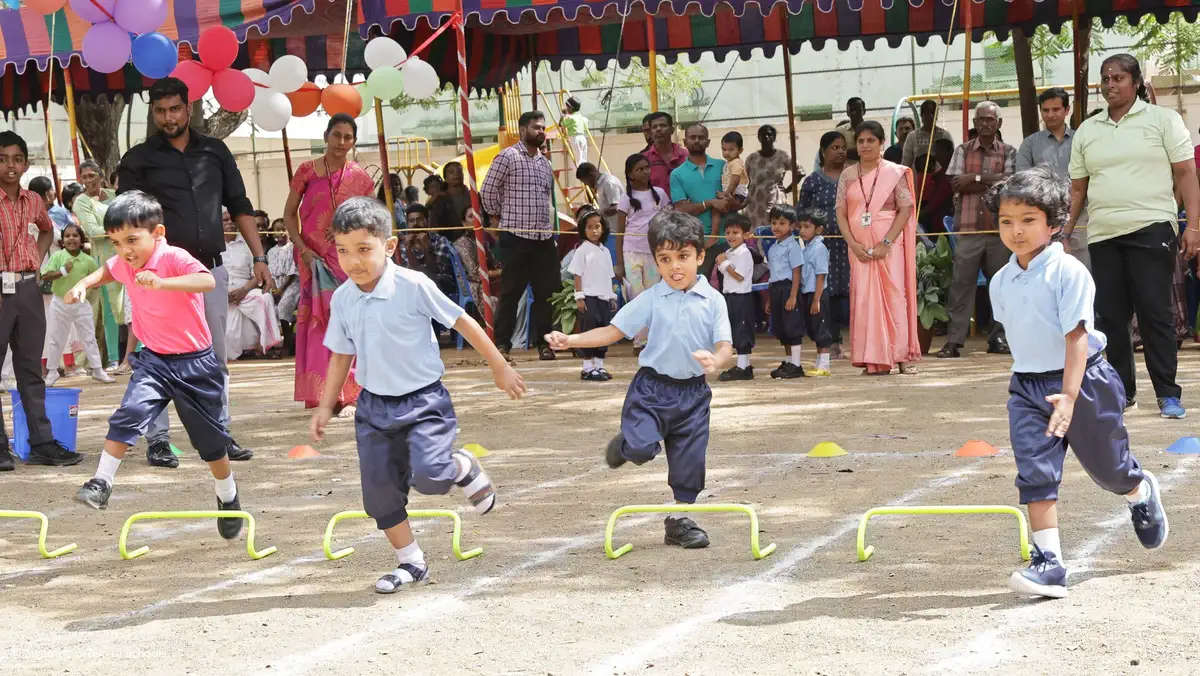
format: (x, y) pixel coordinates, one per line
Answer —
(875, 211)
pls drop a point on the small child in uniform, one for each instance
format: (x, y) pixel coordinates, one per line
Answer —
(575, 124)
(785, 259)
(813, 292)
(737, 266)
(66, 267)
(1063, 392)
(594, 298)
(404, 422)
(668, 399)
(167, 287)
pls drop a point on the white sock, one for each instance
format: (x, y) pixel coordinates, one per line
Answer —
(743, 361)
(599, 362)
(796, 355)
(1142, 494)
(226, 489)
(1047, 540)
(464, 465)
(587, 365)
(823, 361)
(411, 554)
(107, 469)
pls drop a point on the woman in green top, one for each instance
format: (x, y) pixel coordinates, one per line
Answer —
(108, 308)
(65, 269)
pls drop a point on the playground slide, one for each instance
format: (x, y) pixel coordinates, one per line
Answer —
(483, 160)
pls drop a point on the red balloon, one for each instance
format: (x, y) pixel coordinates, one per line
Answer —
(218, 48)
(234, 90)
(45, 6)
(341, 98)
(305, 100)
(197, 78)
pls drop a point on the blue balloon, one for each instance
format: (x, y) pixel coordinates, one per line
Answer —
(13, 4)
(154, 55)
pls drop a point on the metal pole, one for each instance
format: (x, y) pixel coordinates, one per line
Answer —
(50, 145)
(70, 90)
(652, 61)
(287, 155)
(966, 93)
(383, 159)
(787, 85)
(1081, 47)
(485, 307)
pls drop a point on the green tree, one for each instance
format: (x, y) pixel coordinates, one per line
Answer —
(1045, 46)
(675, 82)
(1172, 46)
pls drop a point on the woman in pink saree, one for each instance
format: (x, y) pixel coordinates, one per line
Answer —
(317, 189)
(875, 211)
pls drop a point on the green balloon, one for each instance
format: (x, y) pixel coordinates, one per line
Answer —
(386, 83)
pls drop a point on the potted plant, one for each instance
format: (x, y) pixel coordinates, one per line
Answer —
(935, 272)
(563, 305)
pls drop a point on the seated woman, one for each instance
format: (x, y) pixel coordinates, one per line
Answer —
(252, 323)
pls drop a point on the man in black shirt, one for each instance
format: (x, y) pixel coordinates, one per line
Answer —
(194, 177)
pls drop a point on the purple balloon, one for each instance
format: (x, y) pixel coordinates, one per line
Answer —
(106, 47)
(90, 13)
(140, 16)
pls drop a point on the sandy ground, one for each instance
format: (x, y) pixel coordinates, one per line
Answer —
(543, 599)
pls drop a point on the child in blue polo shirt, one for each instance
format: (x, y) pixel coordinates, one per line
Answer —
(785, 258)
(814, 295)
(1062, 392)
(668, 399)
(405, 422)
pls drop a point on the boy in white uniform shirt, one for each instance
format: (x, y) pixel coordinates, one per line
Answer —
(737, 268)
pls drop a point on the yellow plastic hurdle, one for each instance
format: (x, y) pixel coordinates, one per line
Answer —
(45, 526)
(455, 539)
(694, 509)
(203, 514)
(864, 551)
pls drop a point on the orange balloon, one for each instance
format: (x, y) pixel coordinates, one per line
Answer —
(341, 98)
(45, 6)
(305, 100)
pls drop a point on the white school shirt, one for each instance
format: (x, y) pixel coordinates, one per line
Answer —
(594, 266)
(742, 262)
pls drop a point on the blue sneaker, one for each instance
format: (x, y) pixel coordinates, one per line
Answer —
(1171, 407)
(1149, 517)
(1045, 576)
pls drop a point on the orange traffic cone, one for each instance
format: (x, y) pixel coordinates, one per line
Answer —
(301, 452)
(976, 449)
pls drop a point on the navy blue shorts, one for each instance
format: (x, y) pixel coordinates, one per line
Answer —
(1097, 434)
(597, 313)
(743, 309)
(787, 326)
(404, 440)
(660, 409)
(817, 327)
(194, 381)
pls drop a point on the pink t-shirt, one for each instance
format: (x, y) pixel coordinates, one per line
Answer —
(167, 322)
(637, 221)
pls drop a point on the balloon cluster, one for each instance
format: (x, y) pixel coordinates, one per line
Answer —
(394, 73)
(218, 47)
(108, 44)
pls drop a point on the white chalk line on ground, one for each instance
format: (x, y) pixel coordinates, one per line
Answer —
(990, 649)
(428, 607)
(741, 596)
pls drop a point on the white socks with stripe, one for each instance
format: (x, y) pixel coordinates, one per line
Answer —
(1047, 541)
(599, 362)
(743, 361)
(1141, 495)
(823, 361)
(795, 355)
(464, 460)
(411, 554)
(226, 489)
(587, 365)
(107, 469)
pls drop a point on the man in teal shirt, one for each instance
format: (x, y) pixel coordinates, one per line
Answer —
(694, 188)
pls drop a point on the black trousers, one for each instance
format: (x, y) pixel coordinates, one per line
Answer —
(23, 328)
(1133, 274)
(526, 262)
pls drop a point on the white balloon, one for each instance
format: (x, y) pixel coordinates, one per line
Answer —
(271, 110)
(288, 73)
(420, 79)
(259, 78)
(383, 51)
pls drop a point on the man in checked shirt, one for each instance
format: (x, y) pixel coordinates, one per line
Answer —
(516, 194)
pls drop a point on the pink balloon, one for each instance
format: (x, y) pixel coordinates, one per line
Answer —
(90, 13)
(140, 16)
(234, 90)
(218, 48)
(197, 78)
(106, 47)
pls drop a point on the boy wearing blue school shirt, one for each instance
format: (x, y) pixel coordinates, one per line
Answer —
(814, 297)
(405, 422)
(785, 259)
(668, 399)
(1063, 392)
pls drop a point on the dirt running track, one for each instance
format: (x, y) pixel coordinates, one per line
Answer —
(543, 599)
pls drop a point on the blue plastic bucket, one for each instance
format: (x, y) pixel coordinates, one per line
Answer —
(62, 408)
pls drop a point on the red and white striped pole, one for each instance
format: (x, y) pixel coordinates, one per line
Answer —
(483, 304)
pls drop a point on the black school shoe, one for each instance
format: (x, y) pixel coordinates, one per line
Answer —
(683, 532)
(237, 453)
(604, 373)
(94, 493)
(737, 373)
(788, 370)
(159, 454)
(54, 454)
(998, 346)
(612, 454)
(229, 528)
(6, 460)
(593, 375)
(1149, 518)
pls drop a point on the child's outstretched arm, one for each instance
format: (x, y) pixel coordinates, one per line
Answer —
(335, 377)
(78, 293)
(1064, 403)
(601, 337)
(713, 362)
(195, 282)
(506, 377)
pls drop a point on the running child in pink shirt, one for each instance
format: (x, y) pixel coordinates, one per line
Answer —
(166, 286)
